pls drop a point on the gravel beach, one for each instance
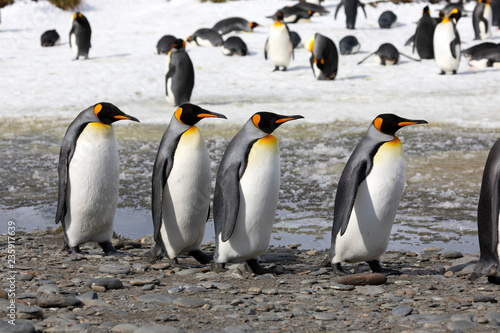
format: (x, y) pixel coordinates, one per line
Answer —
(59, 292)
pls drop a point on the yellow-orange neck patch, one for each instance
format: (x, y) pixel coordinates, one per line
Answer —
(191, 130)
(394, 142)
(268, 139)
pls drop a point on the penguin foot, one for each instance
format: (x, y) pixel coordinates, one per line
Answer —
(284, 69)
(337, 269)
(155, 254)
(201, 257)
(377, 268)
(259, 270)
(217, 267)
(276, 69)
(108, 248)
(494, 279)
(75, 249)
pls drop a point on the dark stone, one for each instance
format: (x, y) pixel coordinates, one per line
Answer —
(108, 283)
(59, 302)
(363, 279)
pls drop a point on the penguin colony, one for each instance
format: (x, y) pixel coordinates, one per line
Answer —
(369, 189)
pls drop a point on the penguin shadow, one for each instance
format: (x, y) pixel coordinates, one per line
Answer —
(297, 68)
(120, 55)
(353, 77)
(471, 70)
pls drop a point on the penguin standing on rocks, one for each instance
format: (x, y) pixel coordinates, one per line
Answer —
(351, 11)
(368, 195)
(446, 43)
(246, 192)
(179, 81)
(89, 174)
(482, 19)
(279, 46)
(79, 36)
(181, 186)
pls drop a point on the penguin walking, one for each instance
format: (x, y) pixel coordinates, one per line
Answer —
(351, 11)
(482, 19)
(246, 192)
(446, 43)
(179, 80)
(487, 219)
(324, 57)
(89, 176)
(279, 46)
(79, 36)
(423, 38)
(181, 186)
(368, 195)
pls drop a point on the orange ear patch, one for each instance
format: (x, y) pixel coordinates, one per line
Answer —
(256, 120)
(378, 123)
(178, 114)
(97, 109)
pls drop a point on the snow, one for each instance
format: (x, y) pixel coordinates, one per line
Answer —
(123, 69)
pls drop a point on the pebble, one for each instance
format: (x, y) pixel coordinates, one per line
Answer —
(49, 289)
(363, 279)
(21, 326)
(59, 302)
(484, 298)
(185, 302)
(156, 298)
(452, 254)
(108, 283)
(326, 316)
(124, 328)
(115, 269)
(402, 311)
(461, 325)
(28, 312)
(143, 282)
(158, 329)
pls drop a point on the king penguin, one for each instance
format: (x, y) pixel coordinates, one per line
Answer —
(422, 40)
(487, 219)
(179, 80)
(446, 43)
(181, 186)
(482, 19)
(89, 176)
(368, 195)
(79, 36)
(351, 11)
(324, 57)
(279, 46)
(246, 192)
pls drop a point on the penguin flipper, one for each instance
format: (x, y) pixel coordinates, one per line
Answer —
(455, 47)
(347, 191)
(408, 57)
(368, 56)
(266, 48)
(338, 8)
(487, 217)
(231, 201)
(362, 5)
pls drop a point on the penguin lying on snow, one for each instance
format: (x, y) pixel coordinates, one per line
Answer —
(234, 45)
(387, 54)
(368, 195)
(164, 45)
(279, 46)
(79, 36)
(324, 57)
(293, 14)
(483, 55)
(351, 11)
(179, 80)
(387, 20)
(181, 186)
(246, 192)
(349, 45)
(488, 211)
(206, 37)
(231, 24)
(49, 38)
(89, 174)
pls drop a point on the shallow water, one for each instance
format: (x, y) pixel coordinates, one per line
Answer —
(444, 170)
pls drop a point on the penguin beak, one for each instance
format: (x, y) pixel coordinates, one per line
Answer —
(126, 117)
(209, 114)
(411, 122)
(284, 120)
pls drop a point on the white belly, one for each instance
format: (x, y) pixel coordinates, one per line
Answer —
(74, 47)
(280, 46)
(481, 63)
(186, 196)
(367, 235)
(485, 29)
(259, 190)
(203, 42)
(316, 70)
(170, 96)
(443, 36)
(92, 193)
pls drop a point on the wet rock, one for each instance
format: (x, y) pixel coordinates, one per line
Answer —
(189, 271)
(88, 295)
(59, 302)
(484, 298)
(114, 269)
(175, 289)
(156, 298)
(185, 302)
(160, 266)
(461, 325)
(402, 311)
(108, 283)
(268, 317)
(21, 326)
(342, 287)
(363, 279)
(124, 328)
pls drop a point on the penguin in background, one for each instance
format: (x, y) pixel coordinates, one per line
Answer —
(49, 38)
(351, 11)
(423, 38)
(487, 219)
(206, 37)
(387, 55)
(446, 43)
(164, 45)
(279, 46)
(495, 8)
(181, 186)
(349, 45)
(237, 24)
(368, 195)
(179, 80)
(89, 174)
(387, 20)
(246, 192)
(79, 36)
(482, 19)
(324, 57)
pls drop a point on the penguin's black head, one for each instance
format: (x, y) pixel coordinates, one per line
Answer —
(426, 10)
(79, 17)
(280, 16)
(253, 25)
(389, 123)
(107, 113)
(267, 122)
(190, 114)
(179, 44)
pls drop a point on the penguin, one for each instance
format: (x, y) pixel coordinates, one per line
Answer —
(324, 57)
(387, 20)
(181, 186)
(206, 37)
(179, 80)
(293, 14)
(246, 192)
(451, 6)
(487, 219)
(279, 46)
(234, 45)
(495, 8)
(423, 38)
(164, 45)
(79, 36)
(349, 45)
(368, 195)
(49, 38)
(482, 19)
(351, 11)
(446, 43)
(237, 24)
(89, 174)
(314, 7)
(295, 39)
(387, 55)
(483, 55)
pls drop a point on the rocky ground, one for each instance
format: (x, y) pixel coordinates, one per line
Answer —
(59, 292)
